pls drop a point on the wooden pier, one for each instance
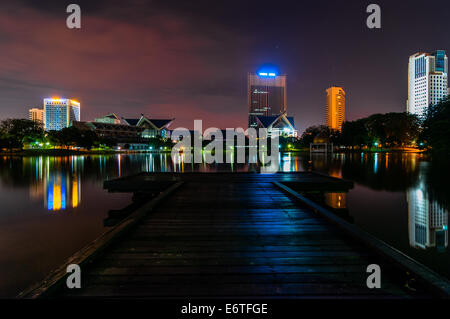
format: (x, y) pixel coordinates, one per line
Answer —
(236, 235)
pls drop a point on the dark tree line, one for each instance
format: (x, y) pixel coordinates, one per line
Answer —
(75, 137)
(436, 128)
(323, 131)
(17, 133)
(14, 133)
(384, 130)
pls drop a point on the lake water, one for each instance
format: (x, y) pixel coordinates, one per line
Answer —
(50, 207)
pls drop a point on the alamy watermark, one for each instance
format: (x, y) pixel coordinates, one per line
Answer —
(73, 21)
(374, 19)
(74, 279)
(261, 145)
(374, 279)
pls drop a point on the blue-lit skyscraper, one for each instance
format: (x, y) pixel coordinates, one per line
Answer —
(266, 95)
(59, 113)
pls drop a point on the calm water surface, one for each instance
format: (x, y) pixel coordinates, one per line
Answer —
(53, 206)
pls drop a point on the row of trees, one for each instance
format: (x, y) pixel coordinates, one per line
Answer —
(391, 130)
(14, 133)
(387, 130)
(436, 128)
(19, 133)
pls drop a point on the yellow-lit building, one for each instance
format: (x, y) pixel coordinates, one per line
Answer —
(335, 107)
(36, 115)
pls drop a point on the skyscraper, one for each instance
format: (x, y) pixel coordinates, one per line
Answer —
(266, 95)
(427, 80)
(36, 115)
(59, 113)
(335, 107)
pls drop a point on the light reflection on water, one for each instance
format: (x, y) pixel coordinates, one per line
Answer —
(428, 219)
(400, 198)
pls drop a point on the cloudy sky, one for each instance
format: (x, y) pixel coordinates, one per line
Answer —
(190, 59)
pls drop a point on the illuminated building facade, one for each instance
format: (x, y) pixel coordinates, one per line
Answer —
(118, 132)
(36, 115)
(136, 133)
(335, 107)
(282, 123)
(266, 95)
(60, 113)
(427, 81)
(151, 127)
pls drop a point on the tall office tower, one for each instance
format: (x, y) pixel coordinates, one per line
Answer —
(427, 81)
(335, 107)
(59, 113)
(36, 115)
(266, 95)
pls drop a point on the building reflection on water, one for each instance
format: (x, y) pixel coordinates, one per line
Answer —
(428, 220)
(336, 200)
(57, 180)
(62, 190)
(427, 217)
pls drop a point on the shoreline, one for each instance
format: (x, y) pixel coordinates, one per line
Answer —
(60, 152)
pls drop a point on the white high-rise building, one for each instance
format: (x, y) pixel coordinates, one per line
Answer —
(59, 113)
(427, 80)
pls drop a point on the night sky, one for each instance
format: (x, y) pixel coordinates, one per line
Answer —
(189, 59)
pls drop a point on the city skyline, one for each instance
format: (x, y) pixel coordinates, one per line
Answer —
(194, 155)
(187, 71)
(266, 91)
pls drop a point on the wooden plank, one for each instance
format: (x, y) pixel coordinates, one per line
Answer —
(229, 254)
(308, 180)
(221, 270)
(138, 261)
(211, 249)
(234, 290)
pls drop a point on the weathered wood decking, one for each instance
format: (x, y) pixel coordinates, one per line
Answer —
(304, 180)
(236, 236)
